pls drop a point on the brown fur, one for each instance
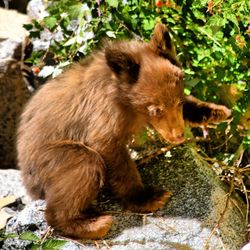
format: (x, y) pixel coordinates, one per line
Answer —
(197, 113)
(73, 133)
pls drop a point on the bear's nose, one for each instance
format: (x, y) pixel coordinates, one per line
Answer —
(177, 133)
(177, 136)
(180, 135)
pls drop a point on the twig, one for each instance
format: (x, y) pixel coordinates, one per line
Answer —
(97, 245)
(209, 36)
(155, 154)
(247, 200)
(48, 233)
(237, 206)
(70, 239)
(128, 213)
(144, 219)
(217, 225)
(222, 244)
(167, 148)
(238, 155)
(224, 142)
(106, 244)
(222, 164)
(245, 169)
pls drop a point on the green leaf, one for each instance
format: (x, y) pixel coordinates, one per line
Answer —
(199, 15)
(218, 35)
(187, 91)
(113, 3)
(34, 246)
(53, 244)
(28, 26)
(148, 24)
(192, 82)
(111, 34)
(50, 22)
(29, 236)
(70, 41)
(216, 20)
(35, 34)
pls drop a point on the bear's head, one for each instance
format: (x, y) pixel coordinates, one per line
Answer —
(149, 78)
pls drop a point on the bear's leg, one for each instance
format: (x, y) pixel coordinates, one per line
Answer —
(74, 182)
(126, 184)
(197, 113)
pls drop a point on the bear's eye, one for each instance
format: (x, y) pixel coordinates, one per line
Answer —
(155, 110)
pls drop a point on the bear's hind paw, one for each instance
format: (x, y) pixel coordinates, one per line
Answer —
(82, 228)
(99, 227)
(149, 200)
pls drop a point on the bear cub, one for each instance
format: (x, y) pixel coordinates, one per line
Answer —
(73, 132)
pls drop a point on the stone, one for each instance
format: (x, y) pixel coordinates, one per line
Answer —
(36, 9)
(11, 25)
(186, 221)
(14, 94)
(13, 86)
(11, 184)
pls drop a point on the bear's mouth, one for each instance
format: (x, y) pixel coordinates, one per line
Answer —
(175, 141)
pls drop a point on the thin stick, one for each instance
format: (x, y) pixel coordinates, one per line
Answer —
(106, 244)
(217, 225)
(97, 245)
(48, 232)
(127, 213)
(167, 148)
(245, 192)
(69, 239)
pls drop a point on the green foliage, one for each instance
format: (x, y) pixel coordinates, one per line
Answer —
(29, 236)
(44, 244)
(4, 236)
(36, 242)
(211, 36)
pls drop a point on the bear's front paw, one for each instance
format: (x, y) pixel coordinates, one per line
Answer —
(147, 200)
(99, 227)
(220, 113)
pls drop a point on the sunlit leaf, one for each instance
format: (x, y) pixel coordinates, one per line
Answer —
(29, 236)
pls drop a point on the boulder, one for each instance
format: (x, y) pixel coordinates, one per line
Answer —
(13, 94)
(13, 86)
(11, 185)
(188, 221)
(11, 25)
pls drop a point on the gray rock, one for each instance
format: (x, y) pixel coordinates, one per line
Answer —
(13, 87)
(31, 218)
(11, 184)
(10, 49)
(11, 25)
(186, 221)
(36, 9)
(13, 95)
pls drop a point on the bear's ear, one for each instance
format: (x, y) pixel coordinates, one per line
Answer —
(197, 113)
(162, 44)
(123, 64)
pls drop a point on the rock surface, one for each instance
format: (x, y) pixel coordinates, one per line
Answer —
(13, 87)
(13, 94)
(11, 25)
(186, 221)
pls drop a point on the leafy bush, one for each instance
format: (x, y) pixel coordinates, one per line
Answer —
(212, 38)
